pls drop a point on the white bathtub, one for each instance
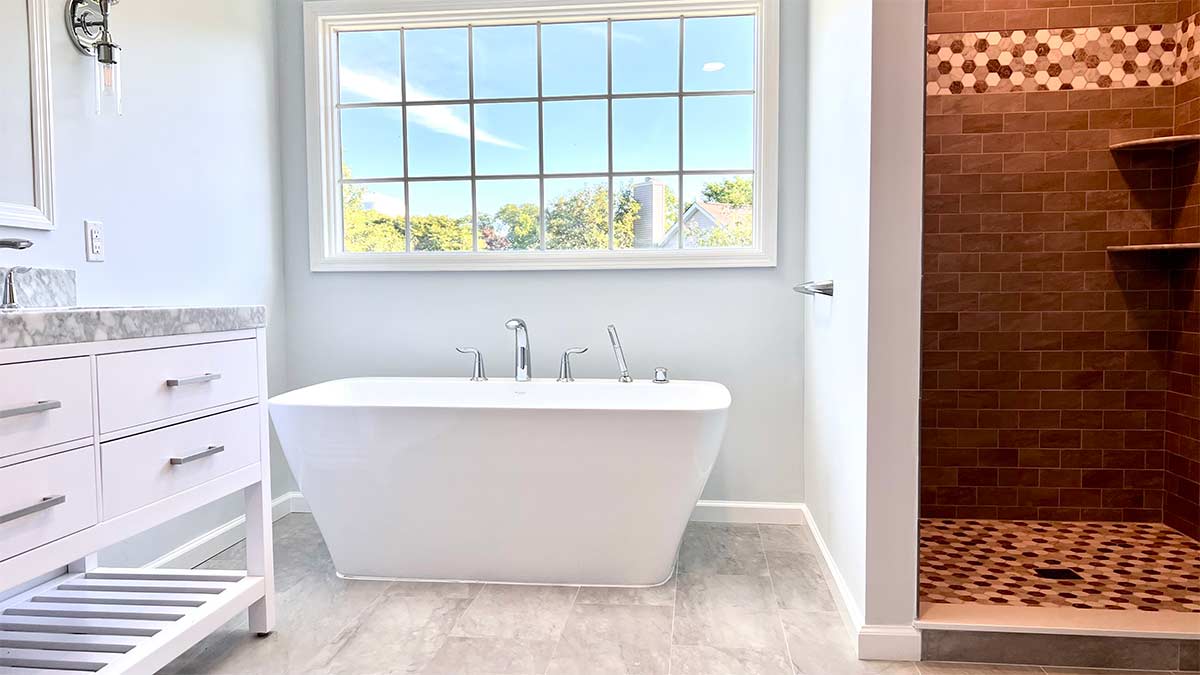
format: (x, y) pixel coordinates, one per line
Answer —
(589, 482)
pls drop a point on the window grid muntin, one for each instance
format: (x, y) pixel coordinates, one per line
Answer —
(541, 99)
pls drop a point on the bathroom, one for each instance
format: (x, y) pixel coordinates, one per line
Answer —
(248, 275)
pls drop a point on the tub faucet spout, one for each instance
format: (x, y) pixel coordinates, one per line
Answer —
(522, 356)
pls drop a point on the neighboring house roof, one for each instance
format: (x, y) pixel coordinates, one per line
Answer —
(707, 216)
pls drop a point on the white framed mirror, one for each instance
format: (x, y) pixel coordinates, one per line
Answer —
(26, 136)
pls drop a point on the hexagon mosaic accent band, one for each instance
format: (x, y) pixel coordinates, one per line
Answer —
(1105, 57)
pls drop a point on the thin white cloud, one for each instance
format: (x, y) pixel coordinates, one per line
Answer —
(439, 118)
(385, 204)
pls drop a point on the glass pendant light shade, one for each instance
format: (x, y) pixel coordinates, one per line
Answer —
(108, 79)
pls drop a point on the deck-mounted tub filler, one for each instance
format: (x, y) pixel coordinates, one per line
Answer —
(589, 482)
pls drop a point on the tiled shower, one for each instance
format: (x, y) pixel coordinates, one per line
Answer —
(1061, 304)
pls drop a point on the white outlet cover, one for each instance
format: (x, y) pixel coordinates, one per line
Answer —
(93, 240)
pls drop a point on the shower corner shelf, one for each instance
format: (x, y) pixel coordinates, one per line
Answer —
(1154, 247)
(1159, 143)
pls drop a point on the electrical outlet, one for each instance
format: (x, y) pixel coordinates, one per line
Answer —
(93, 240)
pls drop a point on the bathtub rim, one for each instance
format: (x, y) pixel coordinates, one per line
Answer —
(306, 401)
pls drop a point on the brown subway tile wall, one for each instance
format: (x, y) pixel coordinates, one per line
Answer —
(946, 16)
(1060, 382)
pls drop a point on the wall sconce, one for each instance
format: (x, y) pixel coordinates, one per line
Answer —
(87, 24)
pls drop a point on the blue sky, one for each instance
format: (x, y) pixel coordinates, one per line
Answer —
(718, 130)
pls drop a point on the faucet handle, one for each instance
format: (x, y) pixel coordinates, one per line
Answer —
(660, 376)
(564, 367)
(477, 374)
(8, 298)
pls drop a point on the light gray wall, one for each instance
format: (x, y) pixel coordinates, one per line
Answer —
(861, 367)
(836, 241)
(187, 182)
(738, 327)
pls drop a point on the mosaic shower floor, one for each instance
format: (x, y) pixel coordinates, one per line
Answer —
(1145, 566)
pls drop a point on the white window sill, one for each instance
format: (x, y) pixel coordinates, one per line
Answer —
(540, 260)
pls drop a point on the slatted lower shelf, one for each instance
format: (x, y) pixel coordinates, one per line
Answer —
(117, 621)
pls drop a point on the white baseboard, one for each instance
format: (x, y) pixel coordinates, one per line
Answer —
(299, 503)
(852, 614)
(874, 642)
(221, 537)
(767, 513)
(889, 643)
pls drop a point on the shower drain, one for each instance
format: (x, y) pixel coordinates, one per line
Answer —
(1057, 573)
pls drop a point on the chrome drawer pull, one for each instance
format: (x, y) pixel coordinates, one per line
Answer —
(40, 406)
(47, 502)
(207, 452)
(195, 379)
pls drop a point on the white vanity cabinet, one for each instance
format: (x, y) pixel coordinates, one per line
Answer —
(100, 441)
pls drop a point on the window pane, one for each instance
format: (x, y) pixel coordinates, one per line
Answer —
(719, 211)
(718, 132)
(508, 214)
(577, 213)
(645, 56)
(718, 53)
(646, 134)
(369, 66)
(574, 59)
(373, 217)
(435, 64)
(505, 61)
(440, 215)
(439, 140)
(576, 136)
(645, 212)
(372, 142)
(506, 138)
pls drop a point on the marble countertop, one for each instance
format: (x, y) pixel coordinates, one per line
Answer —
(40, 326)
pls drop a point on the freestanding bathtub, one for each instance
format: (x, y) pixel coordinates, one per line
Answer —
(589, 482)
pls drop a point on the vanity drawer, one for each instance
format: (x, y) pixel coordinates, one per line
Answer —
(145, 468)
(46, 499)
(140, 387)
(44, 403)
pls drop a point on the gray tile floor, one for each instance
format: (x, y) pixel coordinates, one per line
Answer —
(747, 599)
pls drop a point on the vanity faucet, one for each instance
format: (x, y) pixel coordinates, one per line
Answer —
(521, 356)
(8, 294)
(620, 353)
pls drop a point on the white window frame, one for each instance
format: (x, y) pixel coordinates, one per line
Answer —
(325, 18)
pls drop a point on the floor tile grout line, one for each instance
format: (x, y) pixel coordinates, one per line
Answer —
(787, 648)
(558, 640)
(470, 602)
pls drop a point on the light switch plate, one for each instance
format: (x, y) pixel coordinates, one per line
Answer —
(93, 240)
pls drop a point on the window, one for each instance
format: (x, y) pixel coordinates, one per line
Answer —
(583, 136)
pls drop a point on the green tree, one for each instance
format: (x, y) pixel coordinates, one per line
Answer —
(738, 234)
(520, 221)
(579, 220)
(440, 233)
(736, 191)
(368, 230)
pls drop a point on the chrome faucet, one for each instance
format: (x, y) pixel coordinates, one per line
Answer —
(620, 353)
(10, 289)
(8, 298)
(18, 244)
(522, 355)
(477, 373)
(564, 366)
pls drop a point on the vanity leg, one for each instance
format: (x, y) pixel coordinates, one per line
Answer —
(84, 564)
(259, 555)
